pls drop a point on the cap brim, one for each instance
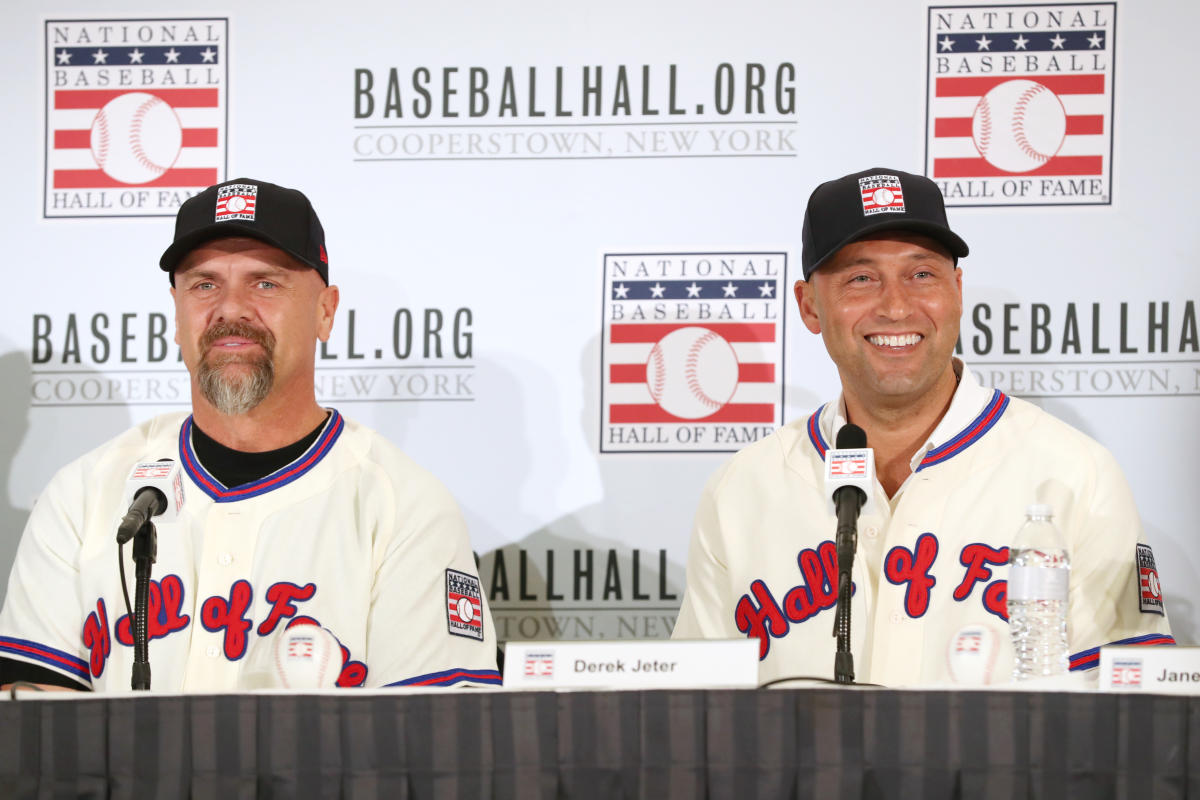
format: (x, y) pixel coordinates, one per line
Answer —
(948, 238)
(179, 249)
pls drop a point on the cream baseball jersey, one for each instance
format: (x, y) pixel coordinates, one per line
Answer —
(931, 561)
(352, 536)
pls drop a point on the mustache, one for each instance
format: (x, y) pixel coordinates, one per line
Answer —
(242, 330)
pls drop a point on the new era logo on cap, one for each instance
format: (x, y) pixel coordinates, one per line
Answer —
(236, 201)
(881, 193)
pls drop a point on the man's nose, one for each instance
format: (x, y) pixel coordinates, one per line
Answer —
(894, 300)
(234, 303)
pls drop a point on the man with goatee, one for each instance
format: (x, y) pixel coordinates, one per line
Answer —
(290, 513)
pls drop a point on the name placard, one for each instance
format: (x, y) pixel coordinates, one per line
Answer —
(1158, 670)
(643, 664)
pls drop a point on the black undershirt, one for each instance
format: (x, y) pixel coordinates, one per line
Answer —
(230, 467)
(234, 468)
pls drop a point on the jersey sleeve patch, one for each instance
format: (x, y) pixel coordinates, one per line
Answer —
(464, 605)
(1150, 599)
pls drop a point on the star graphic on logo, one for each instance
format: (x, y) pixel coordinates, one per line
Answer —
(947, 44)
(100, 57)
(984, 42)
(1096, 40)
(657, 290)
(730, 289)
(64, 56)
(1020, 42)
(766, 290)
(693, 290)
(1057, 41)
(135, 56)
(172, 56)
(620, 292)
(209, 55)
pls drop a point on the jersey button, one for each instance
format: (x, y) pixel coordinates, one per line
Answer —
(225, 559)
(897, 617)
(871, 531)
(213, 652)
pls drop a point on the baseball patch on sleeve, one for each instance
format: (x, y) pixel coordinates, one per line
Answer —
(464, 605)
(1149, 589)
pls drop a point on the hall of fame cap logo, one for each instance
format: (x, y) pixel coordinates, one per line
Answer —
(135, 114)
(239, 201)
(881, 194)
(1020, 103)
(692, 356)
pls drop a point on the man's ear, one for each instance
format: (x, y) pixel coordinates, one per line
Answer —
(326, 307)
(806, 301)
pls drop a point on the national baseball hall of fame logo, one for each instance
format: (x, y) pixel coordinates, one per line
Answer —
(1020, 104)
(135, 114)
(692, 356)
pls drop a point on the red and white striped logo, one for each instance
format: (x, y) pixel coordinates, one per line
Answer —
(881, 193)
(236, 201)
(1020, 110)
(692, 355)
(135, 113)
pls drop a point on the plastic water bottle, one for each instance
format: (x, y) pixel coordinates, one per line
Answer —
(1039, 570)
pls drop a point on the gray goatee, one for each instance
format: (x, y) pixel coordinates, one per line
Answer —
(232, 382)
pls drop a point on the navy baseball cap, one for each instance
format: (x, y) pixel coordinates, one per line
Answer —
(273, 214)
(845, 210)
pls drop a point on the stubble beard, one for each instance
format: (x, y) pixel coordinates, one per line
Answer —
(234, 383)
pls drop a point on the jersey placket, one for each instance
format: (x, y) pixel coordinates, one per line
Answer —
(894, 629)
(222, 584)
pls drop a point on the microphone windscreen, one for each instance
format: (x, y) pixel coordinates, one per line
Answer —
(164, 475)
(851, 437)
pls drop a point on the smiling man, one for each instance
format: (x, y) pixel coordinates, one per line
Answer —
(957, 465)
(292, 513)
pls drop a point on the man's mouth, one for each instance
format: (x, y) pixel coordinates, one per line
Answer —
(899, 340)
(233, 337)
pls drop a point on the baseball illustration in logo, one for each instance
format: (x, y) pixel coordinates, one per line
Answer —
(881, 194)
(692, 372)
(693, 350)
(135, 114)
(136, 137)
(1020, 103)
(1019, 125)
(464, 605)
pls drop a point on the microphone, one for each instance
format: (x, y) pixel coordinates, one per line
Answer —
(849, 485)
(154, 489)
(849, 466)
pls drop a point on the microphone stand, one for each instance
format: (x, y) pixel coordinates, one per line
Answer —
(145, 551)
(847, 543)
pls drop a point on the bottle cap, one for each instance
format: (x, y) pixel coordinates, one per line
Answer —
(1039, 510)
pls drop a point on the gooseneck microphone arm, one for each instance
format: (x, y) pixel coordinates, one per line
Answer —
(145, 552)
(848, 502)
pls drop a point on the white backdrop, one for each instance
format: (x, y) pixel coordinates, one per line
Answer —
(504, 222)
